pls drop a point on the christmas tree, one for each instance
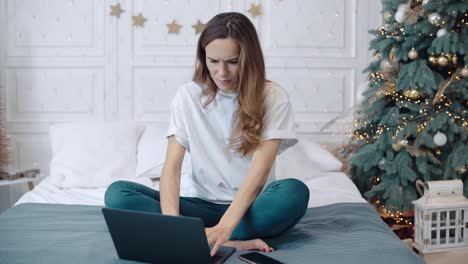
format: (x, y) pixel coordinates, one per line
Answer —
(412, 123)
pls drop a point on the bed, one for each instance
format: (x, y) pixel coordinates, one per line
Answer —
(62, 223)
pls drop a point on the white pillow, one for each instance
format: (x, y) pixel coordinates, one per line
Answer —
(322, 158)
(152, 153)
(332, 187)
(294, 163)
(305, 160)
(92, 154)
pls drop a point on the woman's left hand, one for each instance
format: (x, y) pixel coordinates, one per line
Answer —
(217, 236)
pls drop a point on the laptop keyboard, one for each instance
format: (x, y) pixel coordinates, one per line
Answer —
(216, 258)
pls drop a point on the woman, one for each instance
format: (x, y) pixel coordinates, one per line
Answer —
(233, 122)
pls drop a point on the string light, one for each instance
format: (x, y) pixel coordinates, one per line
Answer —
(397, 216)
(423, 119)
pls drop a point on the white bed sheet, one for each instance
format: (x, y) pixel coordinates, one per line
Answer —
(47, 192)
(325, 188)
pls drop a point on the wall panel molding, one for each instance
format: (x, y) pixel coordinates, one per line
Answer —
(54, 94)
(55, 28)
(68, 60)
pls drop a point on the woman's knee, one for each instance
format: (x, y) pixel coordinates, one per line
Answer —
(114, 194)
(297, 193)
(289, 198)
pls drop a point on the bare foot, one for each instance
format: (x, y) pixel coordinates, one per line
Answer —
(253, 244)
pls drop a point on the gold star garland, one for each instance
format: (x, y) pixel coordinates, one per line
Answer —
(199, 27)
(255, 10)
(173, 27)
(116, 10)
(139, 21)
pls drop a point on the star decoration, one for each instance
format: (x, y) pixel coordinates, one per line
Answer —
(116, 10)
(139, 21)
(173, 27)
(255, 10)
(199, 27)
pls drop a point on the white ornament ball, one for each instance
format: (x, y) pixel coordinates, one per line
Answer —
(385, 64)
(440, 138)
(435, 18)
(441, 32)
(382, 164)
(464, 72)
(425, 2)
(413, 54)
(404, 142)
(402, 13)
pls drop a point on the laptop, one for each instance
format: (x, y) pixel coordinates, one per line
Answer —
(156, 238)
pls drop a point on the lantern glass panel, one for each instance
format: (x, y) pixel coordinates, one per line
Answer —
(443, 217)
(443, 234)
(434, 219)
(421, 235)
(452, 218)
(452, 235)
(434, 237)
(460, 238)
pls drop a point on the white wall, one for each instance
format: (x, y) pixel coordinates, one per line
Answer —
(68, 60)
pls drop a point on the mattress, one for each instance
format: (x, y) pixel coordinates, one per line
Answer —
(325, 188)
(336, 233)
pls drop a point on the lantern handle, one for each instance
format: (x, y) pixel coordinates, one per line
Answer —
(420, 185)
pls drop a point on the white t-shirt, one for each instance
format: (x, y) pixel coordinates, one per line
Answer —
(217, 170)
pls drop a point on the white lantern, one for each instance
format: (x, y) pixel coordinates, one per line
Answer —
(441, 217)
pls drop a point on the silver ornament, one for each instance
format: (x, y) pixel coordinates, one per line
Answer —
(441, 32)
(385, 65)
(413, 54)
(464, 72)
(435, 18)
(425, 2)
(404, 142)
(440, 139)
(382, 164)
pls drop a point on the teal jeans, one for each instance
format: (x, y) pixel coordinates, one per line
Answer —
(275, 210)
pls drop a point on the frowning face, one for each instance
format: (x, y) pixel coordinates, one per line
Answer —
(222, 60)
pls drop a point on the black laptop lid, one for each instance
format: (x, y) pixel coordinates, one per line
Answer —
(155, 238)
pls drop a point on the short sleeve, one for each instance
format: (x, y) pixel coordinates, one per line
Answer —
(177, 126)
(279, 120)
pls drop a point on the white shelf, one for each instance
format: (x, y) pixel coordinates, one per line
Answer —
(17, 181)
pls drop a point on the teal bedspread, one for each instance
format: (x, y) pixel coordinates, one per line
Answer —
(337, 233)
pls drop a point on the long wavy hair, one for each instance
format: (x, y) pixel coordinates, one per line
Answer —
(251, 80)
